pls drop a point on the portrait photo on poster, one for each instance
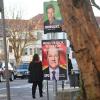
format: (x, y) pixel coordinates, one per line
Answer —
(54, 59)
(52, 17)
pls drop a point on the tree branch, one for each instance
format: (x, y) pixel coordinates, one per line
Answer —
(94, 4)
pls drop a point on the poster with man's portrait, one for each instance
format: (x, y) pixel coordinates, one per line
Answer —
(52, 17)
(54, 59)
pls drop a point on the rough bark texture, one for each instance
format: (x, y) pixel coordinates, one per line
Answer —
(81, 26)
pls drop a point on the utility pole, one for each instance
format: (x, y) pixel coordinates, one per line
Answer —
(5, 49)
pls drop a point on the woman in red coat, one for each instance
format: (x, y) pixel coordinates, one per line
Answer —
(36, 74)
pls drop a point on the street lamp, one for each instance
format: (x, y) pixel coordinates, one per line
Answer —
(5, 49)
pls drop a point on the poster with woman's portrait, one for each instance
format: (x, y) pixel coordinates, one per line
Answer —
(54, 59)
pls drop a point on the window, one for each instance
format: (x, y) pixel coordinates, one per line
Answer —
(25, 52)
(10, 49)
(39, 35)
(37, 50)
(31, 51)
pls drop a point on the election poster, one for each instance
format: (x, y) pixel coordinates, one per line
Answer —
(54, 59)
(52, 17)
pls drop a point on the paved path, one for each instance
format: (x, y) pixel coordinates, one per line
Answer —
(24, 92)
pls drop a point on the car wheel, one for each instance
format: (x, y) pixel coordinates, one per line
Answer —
(1, 78)
(12, 77)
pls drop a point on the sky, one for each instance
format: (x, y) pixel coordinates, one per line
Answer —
(31, 8)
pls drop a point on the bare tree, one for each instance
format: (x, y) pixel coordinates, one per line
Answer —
(84, 32)
(95, 5)
(20, 34)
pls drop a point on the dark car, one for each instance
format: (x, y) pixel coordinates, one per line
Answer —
(22, 71)
(3, 72)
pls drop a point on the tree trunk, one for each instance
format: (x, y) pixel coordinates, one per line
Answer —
(81, 26)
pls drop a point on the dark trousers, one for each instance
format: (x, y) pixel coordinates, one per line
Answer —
(39, 83)
(74, 79)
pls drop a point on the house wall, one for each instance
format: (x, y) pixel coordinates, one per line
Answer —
(34, 46)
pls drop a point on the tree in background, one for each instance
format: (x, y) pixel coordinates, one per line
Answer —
(20, 34)
(84, 32)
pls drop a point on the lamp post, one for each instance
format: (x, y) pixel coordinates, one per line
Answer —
(5, 49)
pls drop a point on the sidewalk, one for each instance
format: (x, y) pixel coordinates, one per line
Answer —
(52, 95)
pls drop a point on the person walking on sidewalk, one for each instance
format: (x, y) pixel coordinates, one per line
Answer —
(70, 68)
(36, 74)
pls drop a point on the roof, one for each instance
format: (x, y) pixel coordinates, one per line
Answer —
(35, 23)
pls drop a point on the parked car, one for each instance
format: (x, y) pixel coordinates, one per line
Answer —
(3, 72)
(22, 71)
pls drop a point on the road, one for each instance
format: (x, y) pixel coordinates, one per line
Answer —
(20, 89)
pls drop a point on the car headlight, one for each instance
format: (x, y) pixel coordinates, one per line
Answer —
(26, 72)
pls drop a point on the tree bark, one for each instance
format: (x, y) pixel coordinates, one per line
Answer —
(82, 28)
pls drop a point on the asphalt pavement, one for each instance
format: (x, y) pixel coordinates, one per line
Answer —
(52, 92)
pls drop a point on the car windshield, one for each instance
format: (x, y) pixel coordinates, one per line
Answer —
(24, 66)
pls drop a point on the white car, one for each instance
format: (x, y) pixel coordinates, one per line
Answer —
(3, 71)
(75, 66)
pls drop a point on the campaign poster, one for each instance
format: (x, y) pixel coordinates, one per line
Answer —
(54, 59)
(52, 17)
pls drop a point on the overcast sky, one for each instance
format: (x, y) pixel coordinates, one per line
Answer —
(31, 8)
